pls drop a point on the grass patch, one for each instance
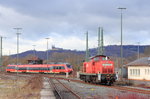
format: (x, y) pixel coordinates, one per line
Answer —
(23, 88)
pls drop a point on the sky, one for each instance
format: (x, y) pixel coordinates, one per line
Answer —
(65, 22)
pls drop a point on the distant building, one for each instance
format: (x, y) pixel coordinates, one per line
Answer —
(35, 60)
(139, 69)
(56, 48)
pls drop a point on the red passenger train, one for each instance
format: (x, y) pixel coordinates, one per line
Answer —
(100, 69)
(36, 65)
(40, 68)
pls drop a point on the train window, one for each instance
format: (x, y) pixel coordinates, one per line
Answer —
(50, 68)
(11, 67)
(33, 68)
(45, 68)
(96, 59)
(16, 68)
(105, 58)
(42, 68)
(54, 67)
(69, 66)
(57, 67)
(62, 67)
(22, 68)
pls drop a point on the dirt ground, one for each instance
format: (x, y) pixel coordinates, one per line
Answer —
(20, 87)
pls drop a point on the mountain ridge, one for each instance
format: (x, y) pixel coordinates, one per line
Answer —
(110, 50)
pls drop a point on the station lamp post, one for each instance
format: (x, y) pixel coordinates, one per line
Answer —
(121, 48)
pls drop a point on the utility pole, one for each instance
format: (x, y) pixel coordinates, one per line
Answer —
(138, 51)
(87, 49)
(1, 50)
(121, 49)
(100, 41)
(17, 29)
(1, 47)
(47, 50)
(99, 30)
(34, 53)
(47, 54)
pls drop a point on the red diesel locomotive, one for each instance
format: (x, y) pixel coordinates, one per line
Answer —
(100, 69)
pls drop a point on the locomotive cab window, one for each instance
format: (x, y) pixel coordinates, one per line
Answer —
(96, 59)
(104, 58)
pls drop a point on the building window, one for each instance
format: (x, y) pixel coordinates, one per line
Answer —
(138, 72)
(130, 71)
(145, 71)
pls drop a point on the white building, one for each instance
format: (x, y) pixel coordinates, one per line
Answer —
(139, 69)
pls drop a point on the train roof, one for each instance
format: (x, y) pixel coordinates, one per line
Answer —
(98, 56)
(58, 64)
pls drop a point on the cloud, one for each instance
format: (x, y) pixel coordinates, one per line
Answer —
(66, 21)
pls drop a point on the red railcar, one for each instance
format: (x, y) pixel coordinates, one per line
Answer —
(41, 68)
(100, 69)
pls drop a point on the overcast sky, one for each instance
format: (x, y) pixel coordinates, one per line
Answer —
(65, 22)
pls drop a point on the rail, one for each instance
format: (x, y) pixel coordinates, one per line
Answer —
(61, 92)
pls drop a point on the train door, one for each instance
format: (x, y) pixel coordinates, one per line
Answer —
(84, 67)
(62, 69)
(93, 67)
(56, 69)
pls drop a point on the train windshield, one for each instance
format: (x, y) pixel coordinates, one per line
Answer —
(105, 58)
(69, 66)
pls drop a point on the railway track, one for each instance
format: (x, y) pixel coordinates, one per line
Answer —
(122, 88)
(127, 88)
(61, 91)
(132, 89)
